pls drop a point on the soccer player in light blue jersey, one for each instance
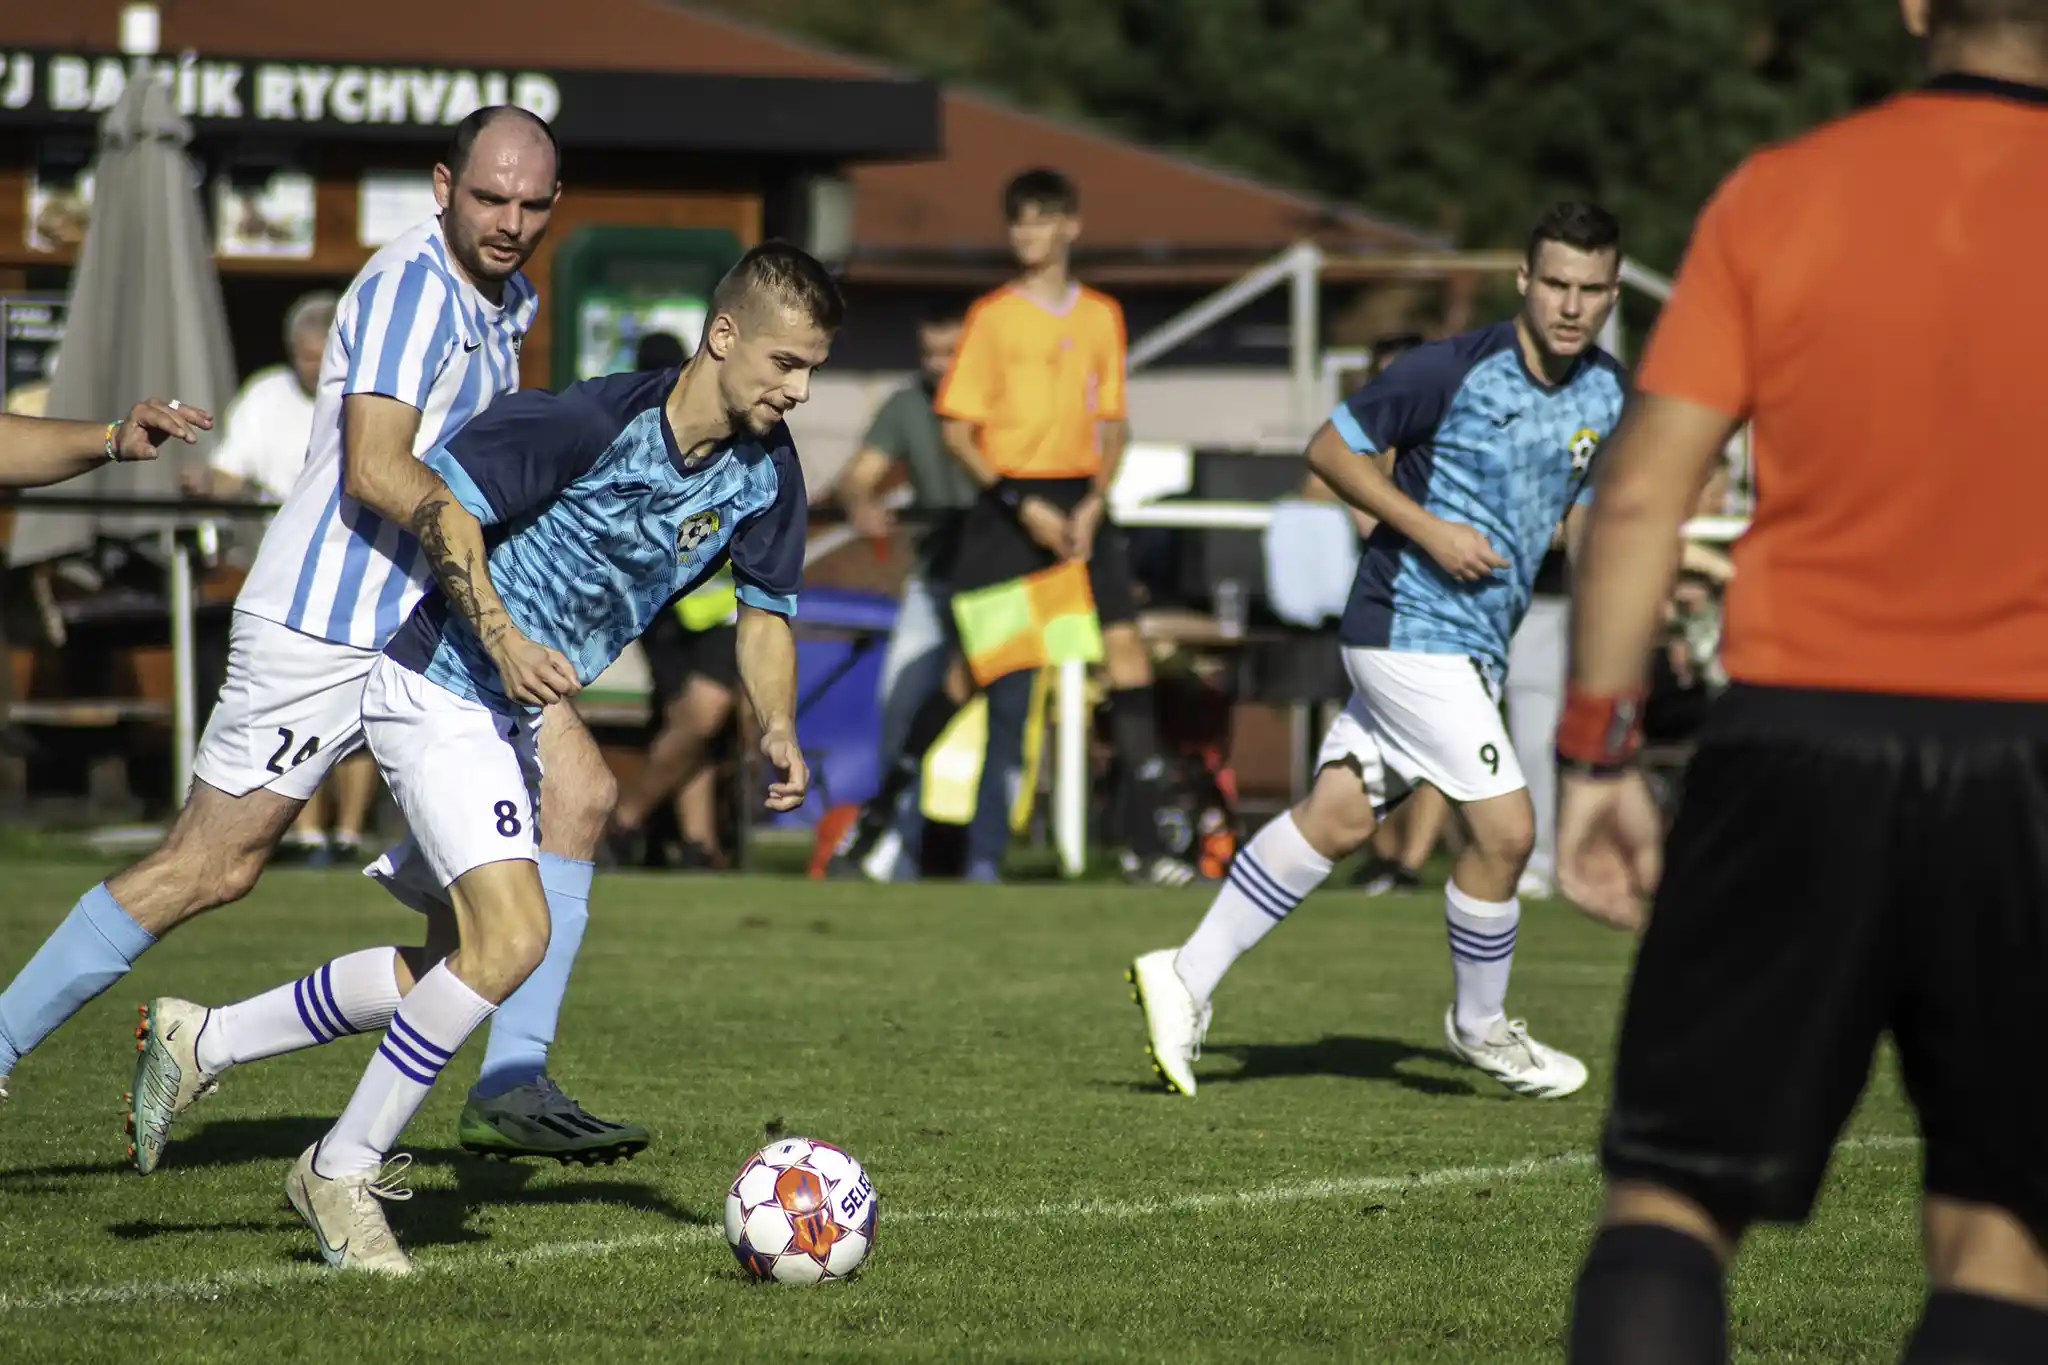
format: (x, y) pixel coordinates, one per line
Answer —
(426, 337)
(609, 500)
(1496, 431)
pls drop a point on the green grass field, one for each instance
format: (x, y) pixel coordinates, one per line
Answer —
(1340, 1189)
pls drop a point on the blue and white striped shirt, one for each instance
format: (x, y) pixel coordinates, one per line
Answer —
(411, 327)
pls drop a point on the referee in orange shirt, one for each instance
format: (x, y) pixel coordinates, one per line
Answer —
(1862, 845)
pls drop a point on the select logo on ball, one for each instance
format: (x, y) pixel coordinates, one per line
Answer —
(800, 1212)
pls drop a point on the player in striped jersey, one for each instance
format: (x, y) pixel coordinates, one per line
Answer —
(427, 336)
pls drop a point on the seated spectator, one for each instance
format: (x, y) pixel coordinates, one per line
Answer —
(265, 430)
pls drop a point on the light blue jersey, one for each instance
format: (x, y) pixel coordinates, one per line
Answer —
(1481, 441)
(604, 522)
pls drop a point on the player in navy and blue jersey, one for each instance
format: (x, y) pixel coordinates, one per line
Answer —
(426, 337)
(1481, 437)
(608, 523)
(603, 503)
(1495, 432)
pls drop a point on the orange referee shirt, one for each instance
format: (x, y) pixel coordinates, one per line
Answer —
(1874, 296)
(1036, 381)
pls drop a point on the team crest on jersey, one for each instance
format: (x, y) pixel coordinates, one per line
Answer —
(694, 532)
(1584, 442)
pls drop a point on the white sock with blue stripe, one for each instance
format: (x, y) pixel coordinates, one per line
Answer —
(1267, 879)
(432, 1022)
(1482, 950)
(349, 995)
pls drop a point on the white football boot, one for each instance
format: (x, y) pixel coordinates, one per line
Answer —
(347, 1213)
(1174, 1028)
(167, 1076)
(1509, 1055)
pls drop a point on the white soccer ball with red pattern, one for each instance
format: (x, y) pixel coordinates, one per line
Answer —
(801, 1212)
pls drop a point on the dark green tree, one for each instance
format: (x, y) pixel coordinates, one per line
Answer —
(1461, 115)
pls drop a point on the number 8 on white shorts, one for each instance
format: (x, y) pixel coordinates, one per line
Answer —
(466, 776)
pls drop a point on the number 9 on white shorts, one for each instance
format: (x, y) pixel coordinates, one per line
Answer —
(1414, 718)
(465, 776)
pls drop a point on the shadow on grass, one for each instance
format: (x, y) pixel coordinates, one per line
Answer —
(440, 1217)
(433, 1217)
(1369, 1059)
(228, 1142)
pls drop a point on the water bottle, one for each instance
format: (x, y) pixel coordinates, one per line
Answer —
(1230, 609)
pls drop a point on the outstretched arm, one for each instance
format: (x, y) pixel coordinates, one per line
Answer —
(35, 451)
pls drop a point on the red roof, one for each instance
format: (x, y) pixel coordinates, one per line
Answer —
(1135, 201)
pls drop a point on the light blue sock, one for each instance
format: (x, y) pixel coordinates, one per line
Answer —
(89, 952)
(517, 1051)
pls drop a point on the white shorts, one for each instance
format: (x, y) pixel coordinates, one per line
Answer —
(465, 775)
(291, 709)
(1431, 718)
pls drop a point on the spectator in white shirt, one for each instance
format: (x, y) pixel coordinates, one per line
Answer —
(265, 430)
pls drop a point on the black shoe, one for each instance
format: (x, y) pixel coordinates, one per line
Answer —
(854, 846)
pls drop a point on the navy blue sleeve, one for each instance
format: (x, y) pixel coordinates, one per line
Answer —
(521, 451)
(1402, 405)
(768, 548)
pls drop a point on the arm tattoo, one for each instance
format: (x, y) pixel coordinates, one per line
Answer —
(457, 575)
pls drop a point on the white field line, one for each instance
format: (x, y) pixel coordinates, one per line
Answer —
(206, 1287)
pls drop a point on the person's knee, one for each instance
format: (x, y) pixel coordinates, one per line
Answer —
(502, 959)
(1983, 1249)
(1124, 658)
(1337, 817)
(959, 682)
(710, 707)
(1506, 836)
(189, 874)
(676, 712)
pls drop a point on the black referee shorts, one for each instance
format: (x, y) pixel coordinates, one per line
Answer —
(1843, 866)
(995, 549)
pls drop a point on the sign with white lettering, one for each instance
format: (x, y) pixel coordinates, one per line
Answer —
(31, 325)
(268, 92)
(361, 100)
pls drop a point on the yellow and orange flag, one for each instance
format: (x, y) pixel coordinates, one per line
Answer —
(1043, 618)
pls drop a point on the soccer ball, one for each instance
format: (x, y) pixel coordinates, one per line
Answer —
(800, 1212)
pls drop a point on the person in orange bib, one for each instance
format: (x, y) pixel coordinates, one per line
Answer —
(1033, 408)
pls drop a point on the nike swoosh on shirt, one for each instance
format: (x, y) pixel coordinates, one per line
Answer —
(631, 488)
(469, 346)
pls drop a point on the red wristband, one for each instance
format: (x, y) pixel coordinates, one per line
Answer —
(1600, 733)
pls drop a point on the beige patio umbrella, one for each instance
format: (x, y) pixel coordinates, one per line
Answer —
(146, 316)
